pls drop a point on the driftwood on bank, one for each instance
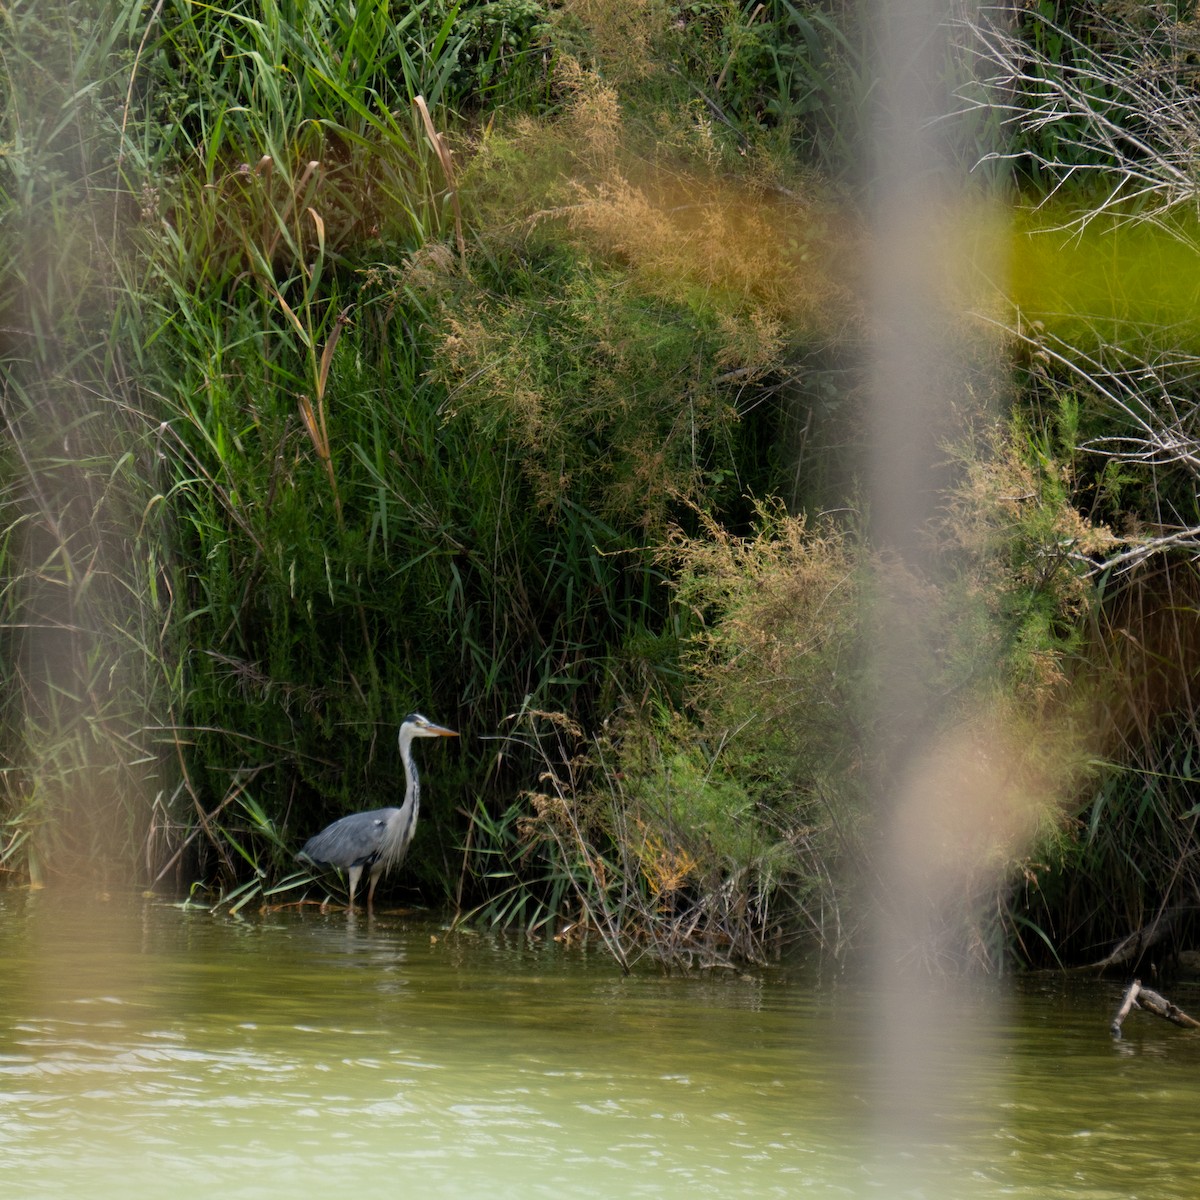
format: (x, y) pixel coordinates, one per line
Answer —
(1131, 948)
(1140, 997)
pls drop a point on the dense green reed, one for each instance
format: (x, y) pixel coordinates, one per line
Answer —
(189, 187)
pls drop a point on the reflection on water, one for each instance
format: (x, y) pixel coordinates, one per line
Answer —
(148, 1051)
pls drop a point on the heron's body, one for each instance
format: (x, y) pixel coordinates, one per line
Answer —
(377, 841)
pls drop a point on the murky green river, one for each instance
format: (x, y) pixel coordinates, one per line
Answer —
(149, 1051)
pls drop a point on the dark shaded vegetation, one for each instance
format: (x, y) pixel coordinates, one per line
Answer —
(558, 438)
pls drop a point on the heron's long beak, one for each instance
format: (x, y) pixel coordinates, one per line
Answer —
(441, 731)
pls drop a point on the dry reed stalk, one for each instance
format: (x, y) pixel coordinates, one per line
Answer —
(438, 142)
(298, 191)
(314, 423)
(314, 420)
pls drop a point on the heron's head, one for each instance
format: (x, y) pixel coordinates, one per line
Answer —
(415, 725)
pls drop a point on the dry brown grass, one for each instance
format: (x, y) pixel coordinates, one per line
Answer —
(776, 258)
(621, 34)
(687, 233)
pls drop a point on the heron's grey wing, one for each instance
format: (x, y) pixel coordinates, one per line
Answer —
(352, 841)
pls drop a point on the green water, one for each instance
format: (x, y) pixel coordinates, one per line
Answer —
(149, 1051)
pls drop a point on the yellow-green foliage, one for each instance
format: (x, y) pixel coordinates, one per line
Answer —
(613, 398)
(772, 690)
(1022, 550)
(778, 612)
(686, 798)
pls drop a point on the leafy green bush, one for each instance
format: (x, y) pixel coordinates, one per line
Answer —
(503, 50)
(795, 71)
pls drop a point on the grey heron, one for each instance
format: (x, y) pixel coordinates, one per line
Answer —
(378, 840)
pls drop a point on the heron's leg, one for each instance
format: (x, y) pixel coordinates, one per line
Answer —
(371, 888)
(355, 875)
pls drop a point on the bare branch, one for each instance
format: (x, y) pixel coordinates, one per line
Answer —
(1156, 402)
(1121, 108)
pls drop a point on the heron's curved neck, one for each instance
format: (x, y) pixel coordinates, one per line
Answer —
(412, 783)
